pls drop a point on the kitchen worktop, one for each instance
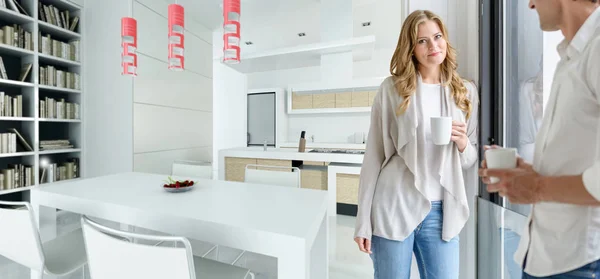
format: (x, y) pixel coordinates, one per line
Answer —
(285, 154)
(290, 154)
(325, 145)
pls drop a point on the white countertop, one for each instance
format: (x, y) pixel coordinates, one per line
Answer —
(289, 154)
(326, 145)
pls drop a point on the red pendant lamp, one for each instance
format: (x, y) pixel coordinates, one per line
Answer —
(128, 46)
(176, 37)
(231, 31)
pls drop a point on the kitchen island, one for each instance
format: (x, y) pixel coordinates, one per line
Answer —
(314, 168)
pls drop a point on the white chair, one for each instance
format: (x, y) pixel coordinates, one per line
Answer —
(273, 175)
(20, 242)
(112, 258)
(192, 168)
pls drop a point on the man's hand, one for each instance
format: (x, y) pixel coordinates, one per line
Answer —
(520, 185)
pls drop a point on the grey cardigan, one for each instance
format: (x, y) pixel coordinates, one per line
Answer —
(390, 200)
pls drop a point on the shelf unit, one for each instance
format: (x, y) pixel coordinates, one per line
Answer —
(31, 125)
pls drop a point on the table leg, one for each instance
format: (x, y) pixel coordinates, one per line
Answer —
(45, 219)
(319, 256)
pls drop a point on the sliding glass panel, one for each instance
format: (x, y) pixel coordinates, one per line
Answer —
(499, 234)
(523, 83)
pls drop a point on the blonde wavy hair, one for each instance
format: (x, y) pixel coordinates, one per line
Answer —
(403, 66)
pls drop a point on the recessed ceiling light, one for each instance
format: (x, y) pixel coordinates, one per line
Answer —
(301, 34)
(248, 43)
(365, 24)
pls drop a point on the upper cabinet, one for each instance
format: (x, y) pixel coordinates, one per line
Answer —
(355, 96)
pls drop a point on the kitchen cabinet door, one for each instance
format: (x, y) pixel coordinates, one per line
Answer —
(314, 179)
(324, 100)
(360, 99)
(302, 101)
(347, 188)
(235, 168)
(343, 100)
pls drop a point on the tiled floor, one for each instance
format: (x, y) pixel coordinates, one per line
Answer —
(346, 262)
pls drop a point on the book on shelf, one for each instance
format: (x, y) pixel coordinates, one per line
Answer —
(54, 16)
(8, 142)
(49, 75)
(50, 108)
(16, 176)
(25, 71)
(65, 171)
(21, 139)
(11, 106)
(15, 35)
(3, 74)
(55, 145)
(66, 50)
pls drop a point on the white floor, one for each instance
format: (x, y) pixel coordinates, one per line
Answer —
(346, 262)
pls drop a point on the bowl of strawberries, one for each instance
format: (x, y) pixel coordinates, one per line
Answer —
(177, 186)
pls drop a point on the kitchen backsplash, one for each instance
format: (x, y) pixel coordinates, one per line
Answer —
(328, 128)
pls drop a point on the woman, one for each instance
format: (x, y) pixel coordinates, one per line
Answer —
(412, 194)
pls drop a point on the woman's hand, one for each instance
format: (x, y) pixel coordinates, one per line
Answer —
(459, 135)
(363, 244)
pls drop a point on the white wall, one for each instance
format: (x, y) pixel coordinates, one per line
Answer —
(107, 110)
(172, 110)
(230, 111)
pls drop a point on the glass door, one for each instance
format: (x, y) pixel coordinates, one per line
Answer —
(511, 74)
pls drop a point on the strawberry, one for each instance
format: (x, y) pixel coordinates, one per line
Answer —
(191, 183)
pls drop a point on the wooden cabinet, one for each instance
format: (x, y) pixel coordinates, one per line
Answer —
(312, 163)
(235, 168)
(276, 163)
(372, 95)
(314, 179)
(324, 101)
(360, 99)
(302, 101)
(347, 188)
(343, 100)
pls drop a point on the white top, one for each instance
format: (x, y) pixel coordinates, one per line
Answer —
(430, 104)
(275, 210)
(563, 237)
(391, 199)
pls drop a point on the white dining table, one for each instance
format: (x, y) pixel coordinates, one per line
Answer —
(290, 224)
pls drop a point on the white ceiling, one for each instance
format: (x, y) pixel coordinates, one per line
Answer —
(276, 23)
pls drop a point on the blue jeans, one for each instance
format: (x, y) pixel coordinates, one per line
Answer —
(591, 270)
(436, 258)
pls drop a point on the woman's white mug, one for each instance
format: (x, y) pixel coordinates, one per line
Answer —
(441, 130)
(500, 158)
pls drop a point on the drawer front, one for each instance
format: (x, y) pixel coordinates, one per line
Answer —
(347, 188)
(277, 163)
(313, 163)
(314, 179)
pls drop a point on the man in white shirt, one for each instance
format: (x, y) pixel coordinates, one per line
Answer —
(562, 239)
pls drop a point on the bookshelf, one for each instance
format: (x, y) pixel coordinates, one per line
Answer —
(47, 111)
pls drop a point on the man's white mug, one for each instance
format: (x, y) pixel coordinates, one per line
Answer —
(441, 130)
(501, 158)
